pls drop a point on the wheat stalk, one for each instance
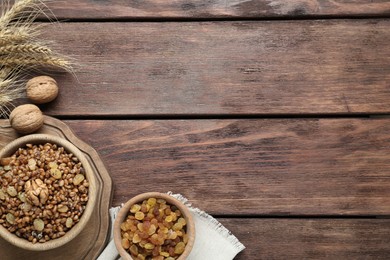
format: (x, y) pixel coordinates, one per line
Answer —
(4, 73)
(18, 10)
(10, 89)
(20, 49)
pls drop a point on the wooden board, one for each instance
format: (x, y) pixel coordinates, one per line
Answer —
(251, 167)
(224, 68)
(347, 239)
(90, 242)
(158, 9)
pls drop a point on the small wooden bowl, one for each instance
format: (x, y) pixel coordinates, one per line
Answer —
(10, 149)
(170, 200)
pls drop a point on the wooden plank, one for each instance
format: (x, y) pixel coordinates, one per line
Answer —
(250, 167)
(152, 9)
(278, 67)
(312, 238)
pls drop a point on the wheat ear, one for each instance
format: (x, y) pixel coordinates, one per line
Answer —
(24, 48)
(36, 61)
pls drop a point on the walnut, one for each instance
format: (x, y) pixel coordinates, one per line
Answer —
(42, 89)
(26, 119)
(37, 192)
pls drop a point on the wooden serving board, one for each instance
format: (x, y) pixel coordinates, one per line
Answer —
(90, 242)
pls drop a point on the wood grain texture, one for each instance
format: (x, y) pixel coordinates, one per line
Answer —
(349, 239)
(251, 167)
(155, 9)
(278, 67)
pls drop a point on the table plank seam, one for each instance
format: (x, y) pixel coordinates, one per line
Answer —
(211, 19)
(218, 116)
(256, 216)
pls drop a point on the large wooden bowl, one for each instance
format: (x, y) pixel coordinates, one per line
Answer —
(122, 214)
(10, 149)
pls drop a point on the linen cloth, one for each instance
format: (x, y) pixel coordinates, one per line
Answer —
(212, 240)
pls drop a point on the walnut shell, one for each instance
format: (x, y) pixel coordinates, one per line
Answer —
(42, 89)
(26, 119)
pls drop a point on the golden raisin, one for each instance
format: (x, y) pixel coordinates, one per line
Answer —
(12, 191)
(134, 250)
(10, 218)
(135, 208)
(79, 178)
(152, 202)
(125, 243)
(39, 224)
(179, 248)
(139, 215)
(56, 173)
(149, 246)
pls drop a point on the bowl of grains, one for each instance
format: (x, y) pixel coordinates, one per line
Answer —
(154, 226)
(47, 192)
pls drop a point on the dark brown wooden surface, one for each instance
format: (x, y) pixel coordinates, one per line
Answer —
(157, 9)
(251, 167)
(215, 68)
(180, 95)
(349, 239)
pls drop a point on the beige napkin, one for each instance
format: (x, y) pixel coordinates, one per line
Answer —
(212, 240)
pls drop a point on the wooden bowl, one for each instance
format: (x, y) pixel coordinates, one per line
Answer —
(122, 214)
(10, 149)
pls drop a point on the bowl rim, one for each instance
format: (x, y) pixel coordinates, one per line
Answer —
(171, 200)
(10, 148)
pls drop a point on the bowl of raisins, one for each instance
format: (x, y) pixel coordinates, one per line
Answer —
(154, 226)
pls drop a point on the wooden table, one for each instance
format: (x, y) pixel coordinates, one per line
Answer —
(271, 115)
